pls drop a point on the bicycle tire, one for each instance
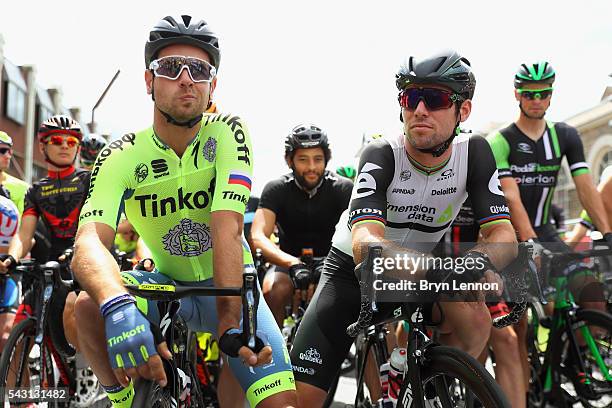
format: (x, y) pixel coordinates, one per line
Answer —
(24, 330)
(443, 362)
(55, 323)
(601, 388)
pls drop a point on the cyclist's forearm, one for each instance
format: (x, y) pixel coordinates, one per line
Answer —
(499, 243)
(272, 253)
(228, 267)
(591, 201)
(16, 248)
(96, 269)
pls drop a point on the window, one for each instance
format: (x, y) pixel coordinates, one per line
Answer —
(15, 103)
(44, 106)
(15, 93)
(606, 160)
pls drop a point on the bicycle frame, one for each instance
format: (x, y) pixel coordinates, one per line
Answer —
(563, 322)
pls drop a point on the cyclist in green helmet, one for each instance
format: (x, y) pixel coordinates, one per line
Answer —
(528, 155)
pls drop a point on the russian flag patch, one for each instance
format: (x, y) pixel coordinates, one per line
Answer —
(236, 177)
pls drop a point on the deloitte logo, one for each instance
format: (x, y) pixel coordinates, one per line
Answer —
(444, 191)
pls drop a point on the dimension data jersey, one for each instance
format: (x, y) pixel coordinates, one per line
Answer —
(534, 165)
(169, 199)
(418, 204)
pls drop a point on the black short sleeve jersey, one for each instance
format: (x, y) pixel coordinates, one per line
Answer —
(535, 165)
(57, 200)
(417, 204)
(306, 220)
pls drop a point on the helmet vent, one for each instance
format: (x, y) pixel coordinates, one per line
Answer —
(186, 20)
(441, 62)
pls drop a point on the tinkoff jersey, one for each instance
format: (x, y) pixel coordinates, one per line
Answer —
(169, 199)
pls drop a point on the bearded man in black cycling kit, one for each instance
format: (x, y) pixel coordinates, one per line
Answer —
(528, 155)
(305, 205)
(408, 191)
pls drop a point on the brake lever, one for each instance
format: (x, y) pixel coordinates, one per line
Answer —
(250, 301)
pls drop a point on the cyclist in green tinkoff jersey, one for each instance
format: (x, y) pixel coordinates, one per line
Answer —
(528, 155)
(183, 183)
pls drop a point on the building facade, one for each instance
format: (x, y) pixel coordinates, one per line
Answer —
(24, 104)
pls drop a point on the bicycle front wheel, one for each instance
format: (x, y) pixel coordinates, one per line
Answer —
(24, 364)
(452, 378)
(593, 331)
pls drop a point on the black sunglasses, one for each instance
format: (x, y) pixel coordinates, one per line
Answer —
(434, 98)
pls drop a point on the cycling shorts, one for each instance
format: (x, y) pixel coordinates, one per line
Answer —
(9, 294)
(200, 314)
(321, 343)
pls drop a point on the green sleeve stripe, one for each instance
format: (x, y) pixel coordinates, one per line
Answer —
(501, 150)
(270, 385)
(551, 193)
(368, 221)
(555, 139)
(585, 216)
(488, 224)
(578, 172)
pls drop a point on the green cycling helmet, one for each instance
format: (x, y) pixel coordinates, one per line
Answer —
(539, 72)
(346, 171)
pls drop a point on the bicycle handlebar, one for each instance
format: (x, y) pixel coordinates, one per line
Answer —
(368, 295)
(249, 292)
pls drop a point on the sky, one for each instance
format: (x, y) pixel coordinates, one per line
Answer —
(331, 63)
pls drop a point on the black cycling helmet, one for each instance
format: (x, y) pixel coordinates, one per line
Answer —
(539, 72)
(90, 147)
(447, 68)
(182, 30)
(60, 124)
(346, 171)
(305, 136)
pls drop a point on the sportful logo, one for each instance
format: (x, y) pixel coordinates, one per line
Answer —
(160, 168)
(446, 174)
(365, 181)
(524, 148)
